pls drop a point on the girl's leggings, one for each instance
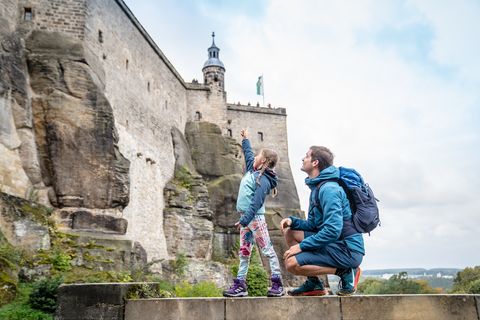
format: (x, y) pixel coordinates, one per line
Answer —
(256, 231)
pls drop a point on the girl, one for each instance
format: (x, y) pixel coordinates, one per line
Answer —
(258, 181)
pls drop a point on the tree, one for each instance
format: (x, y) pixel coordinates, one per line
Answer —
(467, 281)
(397, 284)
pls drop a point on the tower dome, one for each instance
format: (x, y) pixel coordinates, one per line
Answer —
(213, 69)
(213, 56)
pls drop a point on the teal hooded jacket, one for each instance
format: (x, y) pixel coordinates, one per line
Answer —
(327, 223)
(252, 194)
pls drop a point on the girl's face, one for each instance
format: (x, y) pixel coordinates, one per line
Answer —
(259, 161)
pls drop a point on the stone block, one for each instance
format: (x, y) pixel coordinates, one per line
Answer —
(176, 309)
(85, 220)
(295, 308)
(91, 301)
(409, 307)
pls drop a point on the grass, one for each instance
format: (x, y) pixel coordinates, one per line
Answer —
(19, 309)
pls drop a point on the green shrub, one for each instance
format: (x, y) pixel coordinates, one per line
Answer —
(474, 287)
(465, 279)
(184, 177)
(201, 289)
(179, 265)
(61, 261)
(44, 294)
(19, 309)
(148, 291)
(397, 284)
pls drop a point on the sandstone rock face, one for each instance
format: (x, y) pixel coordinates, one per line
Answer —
(213, 154)
(223, 199)
(187, 216)
(20, 224)
(15, 113)
(75, 127)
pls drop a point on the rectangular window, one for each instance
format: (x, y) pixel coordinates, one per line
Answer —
(260, 136)
(27, 14)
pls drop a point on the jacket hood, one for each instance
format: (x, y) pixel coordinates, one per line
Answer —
(331, 172)
(271, 175)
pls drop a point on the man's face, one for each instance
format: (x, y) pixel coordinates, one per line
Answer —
(307, 164)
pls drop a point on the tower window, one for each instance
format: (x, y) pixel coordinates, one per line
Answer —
(27, 14)
(260, 136)
(229, 131)
(148, 86)
(229, 121)
(100, 36)
(198, 116)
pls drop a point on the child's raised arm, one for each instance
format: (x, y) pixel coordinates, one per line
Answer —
(247, 150)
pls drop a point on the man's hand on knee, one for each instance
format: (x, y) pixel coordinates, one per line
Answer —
(292, 251)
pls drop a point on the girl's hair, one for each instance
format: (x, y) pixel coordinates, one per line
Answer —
(271, 159)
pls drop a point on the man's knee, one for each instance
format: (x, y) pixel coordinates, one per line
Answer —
(291, 264)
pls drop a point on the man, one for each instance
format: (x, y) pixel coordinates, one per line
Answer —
(324, 243)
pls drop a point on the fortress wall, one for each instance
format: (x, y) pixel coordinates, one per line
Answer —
(209, 100)
(272, 124)
(197, 99)
(9, 13)
(66, 16)
(148, 97)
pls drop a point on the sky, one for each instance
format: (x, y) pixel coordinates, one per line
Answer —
(391, 87)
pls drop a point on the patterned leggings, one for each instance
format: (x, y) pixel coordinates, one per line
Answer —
(256, 231)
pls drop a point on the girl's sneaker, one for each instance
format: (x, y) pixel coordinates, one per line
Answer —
(277, 287)
(312, 287)
(238, 289)
(348, 281)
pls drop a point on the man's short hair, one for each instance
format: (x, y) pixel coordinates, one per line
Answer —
(323, 155)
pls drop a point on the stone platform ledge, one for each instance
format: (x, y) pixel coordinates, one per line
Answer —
(107, 301)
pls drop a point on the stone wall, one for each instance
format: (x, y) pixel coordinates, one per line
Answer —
(209, 101)
(148, 97)
(66, 16)
(92, 301)
(269, 125)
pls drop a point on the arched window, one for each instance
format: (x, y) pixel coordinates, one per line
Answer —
(198, 116)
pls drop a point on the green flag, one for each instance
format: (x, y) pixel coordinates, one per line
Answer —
(260, 86)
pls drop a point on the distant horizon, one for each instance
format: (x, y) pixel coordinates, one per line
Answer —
(378, 269)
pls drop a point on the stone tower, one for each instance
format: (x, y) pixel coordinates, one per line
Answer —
(213, 69)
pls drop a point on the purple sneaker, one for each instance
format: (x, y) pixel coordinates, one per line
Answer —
(238, 289)
(277, 287)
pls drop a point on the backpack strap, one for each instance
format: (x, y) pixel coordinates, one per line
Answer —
(348, 226)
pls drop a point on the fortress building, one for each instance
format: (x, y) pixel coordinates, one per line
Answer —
(89, 108)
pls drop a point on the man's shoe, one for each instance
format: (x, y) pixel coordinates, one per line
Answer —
(277, 287)
(238, 289)
(312, 287)
(348, 281)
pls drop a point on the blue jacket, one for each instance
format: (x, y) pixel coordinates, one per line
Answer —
(327, 222)
(251, 195)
